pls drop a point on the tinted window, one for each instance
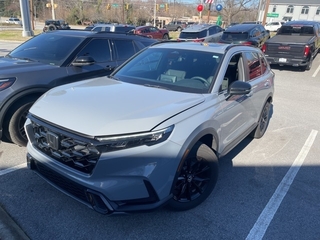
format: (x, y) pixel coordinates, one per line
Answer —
(124, 49)
(47, 48)
(234, 36)
(123, 29)
(213, 30)
(193, 35)
(253, 64)
(98, 49)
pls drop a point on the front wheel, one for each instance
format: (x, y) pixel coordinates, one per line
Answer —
(16, 123)
(165, 37)
(196, 179)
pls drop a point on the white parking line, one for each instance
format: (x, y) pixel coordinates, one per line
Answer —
(9, 170)
(316, 72)
(261, 225)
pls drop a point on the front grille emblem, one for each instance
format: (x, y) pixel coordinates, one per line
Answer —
(53, 140)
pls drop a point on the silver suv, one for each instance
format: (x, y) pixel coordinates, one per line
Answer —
(151, 133)
(201, 33)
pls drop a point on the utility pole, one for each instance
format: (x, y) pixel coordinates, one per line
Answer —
(265, 12)
(25, 15)
(52, 10)
(154, 12)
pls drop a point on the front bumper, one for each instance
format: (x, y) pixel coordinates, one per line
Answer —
(287, 61)
(140, 179)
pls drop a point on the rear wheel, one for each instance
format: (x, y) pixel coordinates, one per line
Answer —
(309, 65)
(196, 178)
(165, 37)
(263, 122)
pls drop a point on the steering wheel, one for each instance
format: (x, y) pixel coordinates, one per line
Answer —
(203, 80)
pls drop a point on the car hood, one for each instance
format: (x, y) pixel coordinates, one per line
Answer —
(13, 66)
(103, 106)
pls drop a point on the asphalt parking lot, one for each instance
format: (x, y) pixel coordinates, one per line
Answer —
(267, 188)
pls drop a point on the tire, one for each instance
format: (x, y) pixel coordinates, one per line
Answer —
(263, 123)
(165, 37)
(309, 65)
(16, 130)
(51, 27)
(196, 179)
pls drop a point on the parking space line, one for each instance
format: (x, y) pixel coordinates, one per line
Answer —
(12, 169)
(316, 72)
(261, 225)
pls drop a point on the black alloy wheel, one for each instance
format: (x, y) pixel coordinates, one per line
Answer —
(263, 122)
(196, 178)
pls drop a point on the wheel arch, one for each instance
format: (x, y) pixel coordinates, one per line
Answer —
(17, 100)
(204, 133)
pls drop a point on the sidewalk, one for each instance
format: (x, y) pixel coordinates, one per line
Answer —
(9, 230)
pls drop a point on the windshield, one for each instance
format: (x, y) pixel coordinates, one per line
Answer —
(47, 48)
(172, 69)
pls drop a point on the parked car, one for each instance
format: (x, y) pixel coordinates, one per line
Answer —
(175, 26)
(201, 33)
(123, 28)
(51, 25)
(151, 133)
(273, 26)
(295, 44)
(246, 34)
(51, 59)
(14, 21)
(152, 32)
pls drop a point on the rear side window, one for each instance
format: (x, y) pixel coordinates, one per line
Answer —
(254, 65)
(123, 29)
(98, 49)
(124, 48)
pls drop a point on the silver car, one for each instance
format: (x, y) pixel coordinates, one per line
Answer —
(201, 33)
(151, 133)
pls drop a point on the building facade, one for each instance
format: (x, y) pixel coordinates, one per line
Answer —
(288, 10)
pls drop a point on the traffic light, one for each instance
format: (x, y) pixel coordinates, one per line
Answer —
(157, 7)
(167, 7)
(108, 6)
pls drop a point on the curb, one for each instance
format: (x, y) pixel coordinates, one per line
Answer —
(9, 229)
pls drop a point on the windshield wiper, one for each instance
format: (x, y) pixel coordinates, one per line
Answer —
(113, 77)
(156, 86)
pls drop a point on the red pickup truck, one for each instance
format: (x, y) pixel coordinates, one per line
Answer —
(295, 44)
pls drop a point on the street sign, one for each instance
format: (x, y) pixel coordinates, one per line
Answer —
(273, 15)
(115, 5)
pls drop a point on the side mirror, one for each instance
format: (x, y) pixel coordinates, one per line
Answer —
(239, 88)
(83, 61)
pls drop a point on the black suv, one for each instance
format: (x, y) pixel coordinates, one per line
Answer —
(54, 58)
(51, 25)
(246, 34)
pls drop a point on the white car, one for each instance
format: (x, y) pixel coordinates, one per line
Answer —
(14, 21)
(273, 26)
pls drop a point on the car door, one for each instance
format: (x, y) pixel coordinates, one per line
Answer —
(100, 50)
(235, 117)
(259, 75)
(215, 33)
(156, 34)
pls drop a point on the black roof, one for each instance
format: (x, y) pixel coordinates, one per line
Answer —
(242, 27)
(301, 22)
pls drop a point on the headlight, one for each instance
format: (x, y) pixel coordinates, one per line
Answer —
(114, 143)
(6, 82)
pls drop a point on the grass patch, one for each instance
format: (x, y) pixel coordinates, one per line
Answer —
(15, 35)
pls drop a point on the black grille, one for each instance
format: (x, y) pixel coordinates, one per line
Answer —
(75, 152)
(65, 184)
